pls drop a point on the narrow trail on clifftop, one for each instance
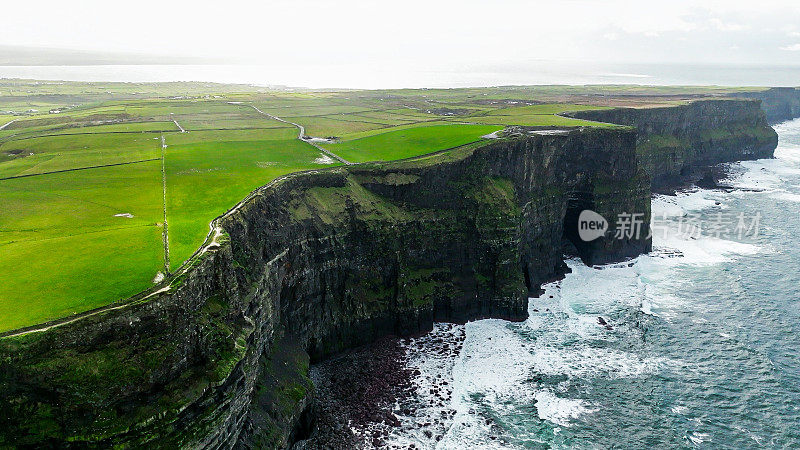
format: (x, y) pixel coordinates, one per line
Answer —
(165, 229)
(301, 136)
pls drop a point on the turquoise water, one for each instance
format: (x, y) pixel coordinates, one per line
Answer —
(704, 349)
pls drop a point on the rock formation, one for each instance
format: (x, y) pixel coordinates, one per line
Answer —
(319, 262)
(779, 104)
(675, 142)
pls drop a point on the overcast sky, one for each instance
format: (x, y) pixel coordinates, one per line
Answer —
(419, 34)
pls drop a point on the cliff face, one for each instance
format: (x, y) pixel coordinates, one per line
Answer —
(314, 264)
(673, 143)
(779, 104)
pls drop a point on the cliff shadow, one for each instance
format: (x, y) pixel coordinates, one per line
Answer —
(572, 244)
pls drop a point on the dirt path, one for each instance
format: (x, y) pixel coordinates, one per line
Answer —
(301, 136)
(178, 125)
(165, 230)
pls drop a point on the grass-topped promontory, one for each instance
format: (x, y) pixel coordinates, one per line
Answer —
(90, 197)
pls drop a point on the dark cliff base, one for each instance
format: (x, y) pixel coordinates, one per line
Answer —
(355, 395)
(369, 396)
(322, 262)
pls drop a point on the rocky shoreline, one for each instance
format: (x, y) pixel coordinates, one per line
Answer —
(369, 397)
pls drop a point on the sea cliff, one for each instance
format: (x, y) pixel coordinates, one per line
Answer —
(311, 265)
(779, 103)
(319, 262)
(675, 143)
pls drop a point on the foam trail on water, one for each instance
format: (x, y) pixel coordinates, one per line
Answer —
(473, 397)
(498, 401)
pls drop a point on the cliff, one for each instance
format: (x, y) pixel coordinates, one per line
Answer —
(779, 104)
(675, 143)
(313, 264)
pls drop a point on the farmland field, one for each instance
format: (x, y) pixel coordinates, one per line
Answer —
(399, 144)
(86, 185)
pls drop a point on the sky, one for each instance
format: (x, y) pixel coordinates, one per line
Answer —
(464, 35)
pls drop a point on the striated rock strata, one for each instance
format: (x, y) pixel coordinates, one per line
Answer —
(314, 264)
(779, 104)
(676, 143)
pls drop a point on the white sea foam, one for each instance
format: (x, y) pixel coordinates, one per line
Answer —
(681, 203)
(696, 248)
(682, 410)
(587, 362)
(787, 196)
(559, 410)
(705, 250)
(430, 413)
(697, 438)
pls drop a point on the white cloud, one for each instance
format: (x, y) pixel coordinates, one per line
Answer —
(719, 25)
(413, 33)
(792, 48)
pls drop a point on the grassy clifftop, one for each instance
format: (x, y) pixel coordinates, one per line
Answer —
(100, 208)
(328, 260)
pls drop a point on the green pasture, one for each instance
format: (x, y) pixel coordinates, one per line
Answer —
(205, 179)
(65, 246)
(538, 120)
(62, 152)
(79, 239)
(551, 108)
(326, 126)
(406, 143)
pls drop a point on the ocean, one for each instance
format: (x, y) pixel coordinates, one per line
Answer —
(702, 347)
(375, 76)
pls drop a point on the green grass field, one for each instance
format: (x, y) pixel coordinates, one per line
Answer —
(75, 236)
(399, 144)
(204, 179)
(87, 236)
(64, 246)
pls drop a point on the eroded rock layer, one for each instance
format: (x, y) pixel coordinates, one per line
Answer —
(779, 103)
(314, 264)
(676, 142)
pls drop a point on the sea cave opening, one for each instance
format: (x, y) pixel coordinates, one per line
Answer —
(572, 244)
